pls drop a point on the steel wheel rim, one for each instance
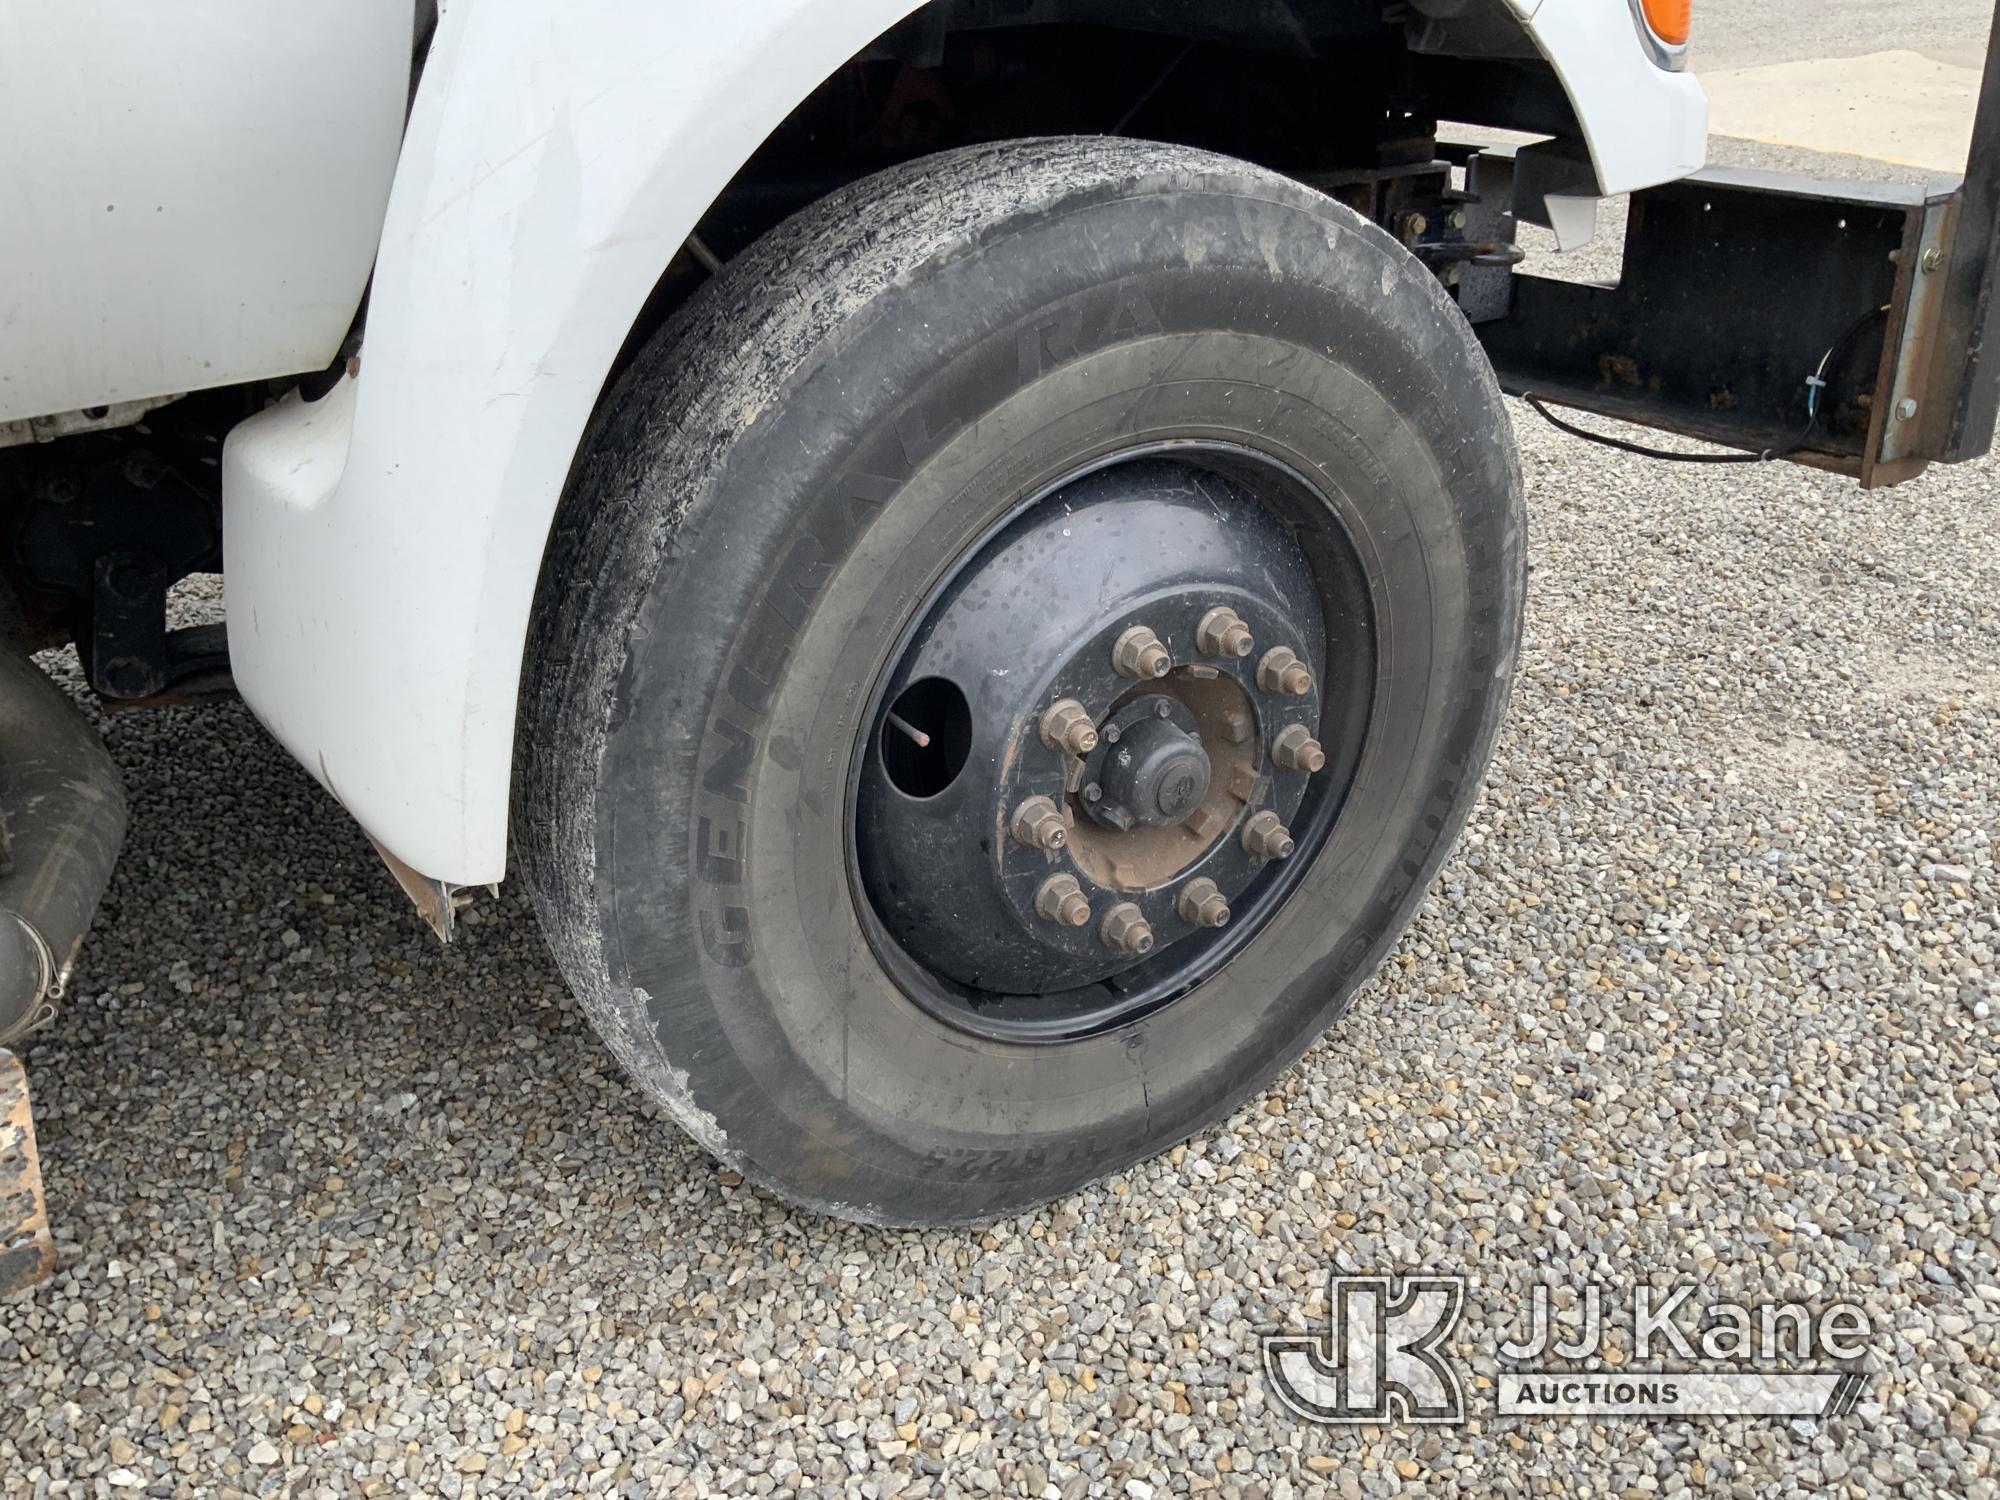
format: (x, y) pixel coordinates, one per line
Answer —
(1343, 664)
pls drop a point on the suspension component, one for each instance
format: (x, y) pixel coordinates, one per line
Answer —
(1280, 671)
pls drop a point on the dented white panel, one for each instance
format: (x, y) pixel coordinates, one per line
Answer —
(190, 193)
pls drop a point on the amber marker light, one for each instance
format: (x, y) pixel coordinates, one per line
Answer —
(1670, 20)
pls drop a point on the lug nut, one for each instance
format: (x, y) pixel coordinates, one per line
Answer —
(1202, 904)
(1266, 838)
(1039, 825)
(1066, 726)
(1221, 632)
(1061, 899)
(1281, 671)
(1296, 750)
(1126, 929)
(1138, 653)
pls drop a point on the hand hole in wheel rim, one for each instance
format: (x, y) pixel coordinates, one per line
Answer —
(926, 737)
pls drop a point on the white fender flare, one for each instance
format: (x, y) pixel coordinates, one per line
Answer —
(383, 543)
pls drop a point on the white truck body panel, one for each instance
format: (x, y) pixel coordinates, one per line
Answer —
(1643, 124)
(384, 543)
(191, 194)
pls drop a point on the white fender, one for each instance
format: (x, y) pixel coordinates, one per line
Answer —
(1643, 124)
(383, 543)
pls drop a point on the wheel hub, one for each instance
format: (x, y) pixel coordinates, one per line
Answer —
(1092, 748)
(1149, 768)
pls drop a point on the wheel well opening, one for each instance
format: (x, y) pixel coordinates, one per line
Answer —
(1330, 91)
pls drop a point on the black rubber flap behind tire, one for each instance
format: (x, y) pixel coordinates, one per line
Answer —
(783, 475)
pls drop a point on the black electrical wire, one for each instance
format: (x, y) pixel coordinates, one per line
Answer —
(1815, 383)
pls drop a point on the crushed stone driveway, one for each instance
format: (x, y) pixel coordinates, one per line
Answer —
(1706, 994)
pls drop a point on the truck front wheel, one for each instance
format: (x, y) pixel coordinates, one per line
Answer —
(1016, 649)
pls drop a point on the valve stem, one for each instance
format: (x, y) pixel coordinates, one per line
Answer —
(903, 726)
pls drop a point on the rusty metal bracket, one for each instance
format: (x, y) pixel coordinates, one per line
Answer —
(27, 1252)
(1904, 430)
(436, 902)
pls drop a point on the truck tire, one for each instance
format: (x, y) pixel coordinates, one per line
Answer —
(1174, 509)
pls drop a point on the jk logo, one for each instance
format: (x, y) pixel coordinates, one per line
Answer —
(1380, 1357)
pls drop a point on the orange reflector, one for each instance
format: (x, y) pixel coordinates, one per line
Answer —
(1670, 19)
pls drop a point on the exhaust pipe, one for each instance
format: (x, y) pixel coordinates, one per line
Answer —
(62, 819)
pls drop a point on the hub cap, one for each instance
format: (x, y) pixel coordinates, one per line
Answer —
(1114, 733)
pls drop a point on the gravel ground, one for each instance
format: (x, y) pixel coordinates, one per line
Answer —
(1706, 994)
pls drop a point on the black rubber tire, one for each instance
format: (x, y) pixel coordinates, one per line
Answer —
(774, 485)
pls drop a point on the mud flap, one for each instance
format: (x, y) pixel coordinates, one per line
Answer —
(27, 1253)
(1736, 286)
